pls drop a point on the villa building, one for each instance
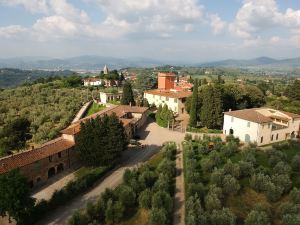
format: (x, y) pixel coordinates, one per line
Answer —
(261, 125)
(92, 81)
(40, 164)
(167, 94)
(106, 97)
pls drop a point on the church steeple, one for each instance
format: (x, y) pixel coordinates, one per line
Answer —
(105, 70)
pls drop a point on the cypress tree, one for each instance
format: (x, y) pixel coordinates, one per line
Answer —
(211, 110)
(194, 106)
(127, 96)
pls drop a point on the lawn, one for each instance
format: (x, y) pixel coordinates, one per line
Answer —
(94, 108)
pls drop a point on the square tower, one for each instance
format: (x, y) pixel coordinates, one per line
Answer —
(166, 81)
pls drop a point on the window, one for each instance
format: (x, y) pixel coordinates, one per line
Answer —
(167, 98)
(175, 100)
(248, 124)
(276, 136)
(263, 126)
(272, 137)
(59, 155)
(38, 179)
(269, 125)
(261, 139)
(232, 119)
(50, 158)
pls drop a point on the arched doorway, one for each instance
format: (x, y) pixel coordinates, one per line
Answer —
(247, 138)
(60, 168)
(51, 172)
(231, 131)
(293, 135)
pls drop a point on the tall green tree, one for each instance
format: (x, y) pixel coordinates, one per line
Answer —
(293, 91)
(194, 106)
(101, 141)
(212, 104)
(15, 199)
(127, 96)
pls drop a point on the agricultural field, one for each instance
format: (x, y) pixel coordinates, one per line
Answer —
(229, 184)
(48, 106)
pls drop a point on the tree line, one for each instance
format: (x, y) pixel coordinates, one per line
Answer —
(208, 102)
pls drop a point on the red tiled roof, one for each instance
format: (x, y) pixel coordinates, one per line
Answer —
(292, 115)
(171, 94)
(249, 114)
(120, 111)
(27, 157)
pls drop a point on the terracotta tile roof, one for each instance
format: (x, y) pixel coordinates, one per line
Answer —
(120, 111)
(250, 115)
(292, 115)
(91, 79)
(171, 94)
(27, 157)
(256, 115)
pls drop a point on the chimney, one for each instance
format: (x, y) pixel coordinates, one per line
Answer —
(130, 104)
(229, 110)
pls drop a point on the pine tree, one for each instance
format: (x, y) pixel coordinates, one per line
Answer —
(127, 96)
(194, 106)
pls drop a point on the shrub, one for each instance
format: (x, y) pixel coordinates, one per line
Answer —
(158, 216)
(256, 217)
(282, 180)
(232, 168)
(282, 168)
(78, 219)
(295, 196)
(126, 196)
(246, 168)
(163, 200)
(230, 185)
(296, 163)
(259, 182)
(145, 199)
(222, 217)
(274, 192)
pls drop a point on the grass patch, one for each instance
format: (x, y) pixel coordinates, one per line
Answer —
(155, 159)
(140, 218)
(242, 203)
(94, 108)
(204, 130)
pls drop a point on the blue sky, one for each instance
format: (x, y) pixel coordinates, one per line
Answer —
(174, 30)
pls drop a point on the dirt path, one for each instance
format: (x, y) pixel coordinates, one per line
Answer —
(179, 206)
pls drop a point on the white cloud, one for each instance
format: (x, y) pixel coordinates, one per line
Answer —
(188, 27)
(34, 6)
(154, 16)
(11, 31)
(275, 40)
(68, 11)
(295, 41)
(217, 24)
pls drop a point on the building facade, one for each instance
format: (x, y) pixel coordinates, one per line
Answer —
(39, 165)
(167, 94)
(106, 97)
(262, 126)
(92, 81)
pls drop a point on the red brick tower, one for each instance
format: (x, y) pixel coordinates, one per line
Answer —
(166, 81)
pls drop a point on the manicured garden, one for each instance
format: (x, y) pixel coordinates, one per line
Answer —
(94, 108)
(227, 184)
(144, 197)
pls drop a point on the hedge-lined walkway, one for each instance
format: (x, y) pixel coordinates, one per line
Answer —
(179, 207)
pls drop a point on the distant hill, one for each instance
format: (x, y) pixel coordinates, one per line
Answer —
(76, 63)
(257, 62)
(15, 77)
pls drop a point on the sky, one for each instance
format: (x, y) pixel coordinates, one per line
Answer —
(170, 30)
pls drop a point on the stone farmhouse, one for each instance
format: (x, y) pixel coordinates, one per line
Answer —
(42, 163)
(106, 97)
(262, 126)
(92, 81)
(167, 94)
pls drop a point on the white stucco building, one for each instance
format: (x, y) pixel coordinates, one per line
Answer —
(92, 81)
(106, 97)
(261, 125)
(173, 99)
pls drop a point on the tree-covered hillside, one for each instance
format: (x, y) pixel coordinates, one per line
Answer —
(48, 106)
(14, 77)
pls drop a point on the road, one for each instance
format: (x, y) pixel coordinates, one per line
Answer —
(151, 135)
